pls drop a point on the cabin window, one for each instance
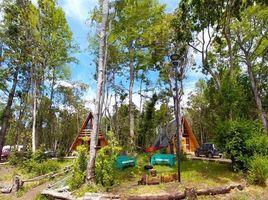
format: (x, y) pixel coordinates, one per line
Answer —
(88, 125)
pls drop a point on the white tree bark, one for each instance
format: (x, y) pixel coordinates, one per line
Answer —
(131, 104)
(257, 97)
(91, 176)
(34, 110)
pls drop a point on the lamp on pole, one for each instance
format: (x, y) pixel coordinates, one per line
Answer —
(175, 62)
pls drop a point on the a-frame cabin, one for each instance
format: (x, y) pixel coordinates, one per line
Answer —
(84, 135)
(168, 140)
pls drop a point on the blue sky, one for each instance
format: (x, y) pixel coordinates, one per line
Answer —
(77, 13)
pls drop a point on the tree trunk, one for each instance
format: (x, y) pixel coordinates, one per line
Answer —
(34, 109)
(131, 104)
(91, 177)
(7, 112)
(227, 33)
(257, 97)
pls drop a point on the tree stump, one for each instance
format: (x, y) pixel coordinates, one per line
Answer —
(17, 183)
(152, 172)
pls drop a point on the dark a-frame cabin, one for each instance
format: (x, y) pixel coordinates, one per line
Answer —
(84, 135)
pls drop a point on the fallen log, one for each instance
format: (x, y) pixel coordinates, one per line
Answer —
(189, 193)
(102, 196)
(49, 175)
(179, 195)
(58, 195)
(219, 190)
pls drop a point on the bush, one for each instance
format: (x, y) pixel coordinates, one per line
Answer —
(14, 157)
(40, 168)
(39, 155)
(241, 140)
(45, 167)
(77, 180)
(80, 165)
(105, 164)
(258, 170)
(60, 154)
(257, 145)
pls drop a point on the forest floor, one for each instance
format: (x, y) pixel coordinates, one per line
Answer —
(195, 173)
(30, 190)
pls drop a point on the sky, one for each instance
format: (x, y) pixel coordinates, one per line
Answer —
(77, 14)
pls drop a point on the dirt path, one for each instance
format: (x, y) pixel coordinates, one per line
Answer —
(31, 194)
(6, 173)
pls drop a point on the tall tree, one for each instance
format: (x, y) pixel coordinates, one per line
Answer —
(251, 36)
(15, 52)
(91, 176)
(138, 32)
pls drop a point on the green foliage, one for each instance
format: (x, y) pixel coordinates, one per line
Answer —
(39, 155)
(258, 170)
(241, 140)
(41, 197)
(105, 163)
(258, 145)
(80, 165)
(147, 124)
(37, 169)
(82, 158)
(87, 189)
(14, 157)
(45, 167)
(60, 153)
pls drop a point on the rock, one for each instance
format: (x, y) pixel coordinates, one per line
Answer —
(6, 190)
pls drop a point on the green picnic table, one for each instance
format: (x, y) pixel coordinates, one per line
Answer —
(125, 161)
(163, 159)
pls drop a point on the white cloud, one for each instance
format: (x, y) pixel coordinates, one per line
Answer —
(78, 9)
(64, 84)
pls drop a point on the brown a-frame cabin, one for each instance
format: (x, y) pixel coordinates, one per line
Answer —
(168, 140)
(84, 135)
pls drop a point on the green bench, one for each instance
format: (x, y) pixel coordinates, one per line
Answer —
(125, 161)
(168, 159)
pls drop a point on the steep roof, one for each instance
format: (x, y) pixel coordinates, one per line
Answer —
(163, 138)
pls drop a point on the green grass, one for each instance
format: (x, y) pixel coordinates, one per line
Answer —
(10, 172)
(194, 173)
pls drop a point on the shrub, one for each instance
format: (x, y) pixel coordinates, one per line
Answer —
(80, 165)
(14, 157)
(82, 158)
(241, 140)
(258, 170)
(105, 164)
(39, 155)
(60, 154)
(77, 180)
(45, 167)
(257, 145)
(30, 166)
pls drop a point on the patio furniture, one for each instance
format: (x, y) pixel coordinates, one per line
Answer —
(168, 159)
(125, 161)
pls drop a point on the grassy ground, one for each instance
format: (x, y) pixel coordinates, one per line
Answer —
(199, 174)
(195, 173)
(8, 172)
